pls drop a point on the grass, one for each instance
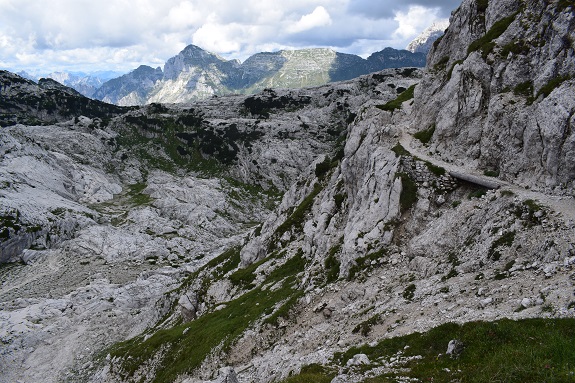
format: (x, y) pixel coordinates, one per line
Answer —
(436, 170)
(181, 349)
(552, 85)
(408, 196)
(312, 373)
(525, 89)
(332, 264)
(364, 328)
(491, 173)
(425, 135)
(450, 71)
(323, 167)
(338, 199)
(482, 5)
(477, 193)
(135, 195)
(399, 150)
(505, 240)
(396, 104)
(363, 264)
(527, 210)
(485, 43)
(531, 350)
(409, 292)
(296, 219)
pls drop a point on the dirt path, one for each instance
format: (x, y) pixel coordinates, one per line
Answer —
(563, 206)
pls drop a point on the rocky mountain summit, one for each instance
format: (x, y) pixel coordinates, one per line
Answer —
(366, 230)
(195, 74)
(424, 42)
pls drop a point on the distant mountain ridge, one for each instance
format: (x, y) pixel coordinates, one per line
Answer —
(196, 74)
(84, 83)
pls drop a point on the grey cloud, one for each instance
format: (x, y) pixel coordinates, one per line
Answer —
(386, 9)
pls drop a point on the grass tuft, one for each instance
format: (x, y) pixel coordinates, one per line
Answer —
(425, 135)
(396, 104)
(485, 43)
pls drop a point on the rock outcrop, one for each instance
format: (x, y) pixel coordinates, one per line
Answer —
(498, 92)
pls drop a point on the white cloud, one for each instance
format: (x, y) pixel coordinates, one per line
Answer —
(318, 18)
(122, 34)
(414, 21)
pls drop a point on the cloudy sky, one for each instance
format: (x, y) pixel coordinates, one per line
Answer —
(91, 35)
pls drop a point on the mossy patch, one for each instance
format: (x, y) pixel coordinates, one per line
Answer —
(530, 350)
(408, 196)
(425, 135)
(396, 104)
(485, 44)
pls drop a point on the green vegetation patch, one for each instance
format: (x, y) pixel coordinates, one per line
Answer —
(312, 373)
(409, 292)
(477, 193)
(363, 264)
(364, 328)
(450, 71)
(491, 173)
(485, 43)
(399, 150)
(552, 85)
(425, 135)
(181, 349)
(518, 47)
(332, 264)
(296, 219)
(482, 5)
(437, 170)
(396, 104)
(322, 168)
(531, 212)
(408, 196)
(505, 240)
(525, 89)
(525, 351)
(441, 63)
(9, 223)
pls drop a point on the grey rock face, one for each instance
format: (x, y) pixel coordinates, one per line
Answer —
(504, 104)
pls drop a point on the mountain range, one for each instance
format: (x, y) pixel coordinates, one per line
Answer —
(84, 83)
(196, 74)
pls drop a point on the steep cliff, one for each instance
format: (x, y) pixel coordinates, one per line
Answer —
(498, 92)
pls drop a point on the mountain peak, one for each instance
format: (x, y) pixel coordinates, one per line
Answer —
(423, 42)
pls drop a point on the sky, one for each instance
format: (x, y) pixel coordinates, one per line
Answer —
(43, 36)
